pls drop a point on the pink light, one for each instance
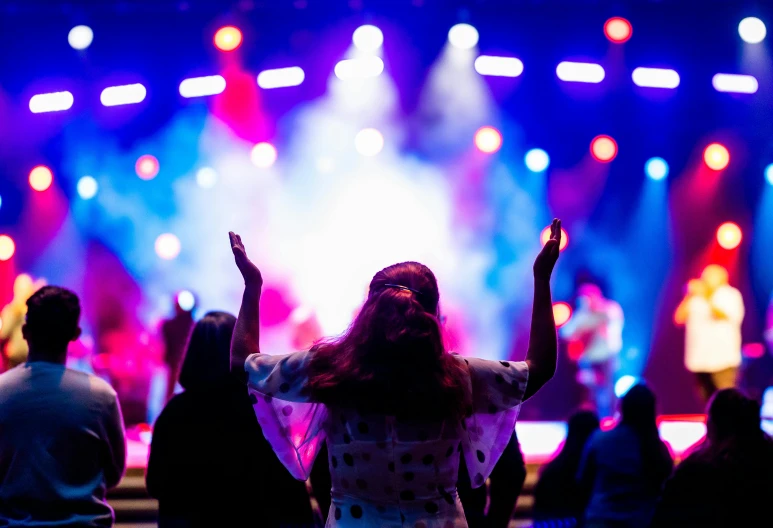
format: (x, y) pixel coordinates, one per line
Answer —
(147, 167)
(603, 148)
(488, 140)
(618, 30)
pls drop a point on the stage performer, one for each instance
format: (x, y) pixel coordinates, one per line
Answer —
(712, 312)
(596, 330)
(12, 344)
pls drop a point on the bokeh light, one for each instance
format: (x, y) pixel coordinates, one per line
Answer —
(545, 236)
(228, 38)
(80, 37)
(752, 30)
(263, 155)
(656, 169)
(463, 36)
(488, 139)
(41, 178)
(603, 148)
(769, 173)
(367, 38)
(7, 247)
(537, 160)
(618, 30)
(167, 246)
(147, 167)
(87, 187)
(624, 384)
(369, 142)
(729, 235)
(206, 177)
(562, 312)
(716, 156)
(186, 300)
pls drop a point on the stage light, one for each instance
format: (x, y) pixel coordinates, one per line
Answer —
(87, 187)
(367, 38)
(769, 173)
(727, 82)
(281, 77)
(463, 36)
(716, 156)
(618, 30)
(41, 178)
(537, 160)
(545, 236)
(624, 384)
(201, 86)
(228, 38)
(1, 202)
(361, 68)
(562, 312)
(729, 235)
(603, 148)
(147, 167)
(7, 247)
(123, 95)
(325, 165)
(488, 139)
(167, 246)
(186, 300)
(752, 30)
(263, 155)
(586, 72)
(80, 37)
(498, 66)
(206, 177)
(656, 168)
(51, 102)
(655, 78)
(369, 142)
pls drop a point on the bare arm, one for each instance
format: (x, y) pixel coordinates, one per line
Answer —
(246, 337)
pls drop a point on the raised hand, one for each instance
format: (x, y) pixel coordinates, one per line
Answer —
(249, 271)
(547, 258)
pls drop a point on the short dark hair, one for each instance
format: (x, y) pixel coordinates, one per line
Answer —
(208, 357)
(52, 317)
(732, 414)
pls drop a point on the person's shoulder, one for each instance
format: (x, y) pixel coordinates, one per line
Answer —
(96, 386)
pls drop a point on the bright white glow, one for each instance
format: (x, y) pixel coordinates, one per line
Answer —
(201, 86)
(186, 300)
(498, 66)
(325, 165)
(281, 77)
(51, 102)
(586, 72)
(122, 95)
(367, 38)
(769, 173)
(263, 155)
(655, 78)
(537, 160)
(206, 177)
(681, 436)
(540, 441)
(463, 36)
(369, 142)
(361, 68)
(624, 384)
(752, 30)
(656, 168)
(727, 82)
(87, 187)
(80, 37)
(167, 246)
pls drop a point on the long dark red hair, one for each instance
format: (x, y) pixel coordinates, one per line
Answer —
(392, 359)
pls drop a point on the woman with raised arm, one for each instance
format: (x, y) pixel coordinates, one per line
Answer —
(395, 409)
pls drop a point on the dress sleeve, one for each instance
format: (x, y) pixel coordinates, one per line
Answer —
(497, 393)
(292, 424)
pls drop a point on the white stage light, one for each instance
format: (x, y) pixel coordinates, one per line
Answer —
(80, 37)
(367, 38)
(51, 102)
(369, 142)
(498, 66)
(206, 177)
(123, 95)
(281, 77)
(752, 30)
(87, 187)
(624, 384)
(167, 246)
(727, 82)
(359, 68)
(537, 160)
(586, 72)
(463, 36)
(201, 86)
(186, 300)
(263, 155)
(655, 78)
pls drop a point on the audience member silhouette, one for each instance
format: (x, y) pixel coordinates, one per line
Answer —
(62, 439)
(556, 501)
(623, 470)
(209, 462)
(728, 479)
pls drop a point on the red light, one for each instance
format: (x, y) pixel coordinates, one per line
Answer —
(618, 30)
(729, 235)
(147, 167)
(488, 140)
(545, 236)
(562, 312)
(603, 148)
(228, 38)
(41, 178)
(716, 156)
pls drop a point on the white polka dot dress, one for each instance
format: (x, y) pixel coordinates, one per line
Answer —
(384, 472)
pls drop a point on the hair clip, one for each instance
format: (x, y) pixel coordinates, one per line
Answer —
(401, 287)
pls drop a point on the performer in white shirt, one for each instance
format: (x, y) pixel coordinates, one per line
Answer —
(712, 312)
(596, 329)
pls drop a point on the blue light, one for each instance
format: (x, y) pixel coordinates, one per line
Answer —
(624, 384)
(1, 201)
(656, 168)
(87, 187)
(769, 173)
(537, 160)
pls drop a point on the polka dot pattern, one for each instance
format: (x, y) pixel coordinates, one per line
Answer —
(356, 511)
